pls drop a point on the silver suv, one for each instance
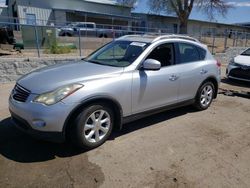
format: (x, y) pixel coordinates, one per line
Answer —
(125, 80)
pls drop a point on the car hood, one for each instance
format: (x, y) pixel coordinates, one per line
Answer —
(52, 77)
(242, 59)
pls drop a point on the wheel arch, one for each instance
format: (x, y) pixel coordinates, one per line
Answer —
(117, 109)
(214, 81)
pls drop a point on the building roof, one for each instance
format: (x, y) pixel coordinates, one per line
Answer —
(190, 20)
(111, 2)
(246, 24)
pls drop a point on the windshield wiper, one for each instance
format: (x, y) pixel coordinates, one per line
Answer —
(95, 62)
(99, 63)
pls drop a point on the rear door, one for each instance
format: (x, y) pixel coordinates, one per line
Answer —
(190, 60)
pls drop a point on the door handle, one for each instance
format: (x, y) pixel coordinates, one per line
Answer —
(203, 71)
(173, 77)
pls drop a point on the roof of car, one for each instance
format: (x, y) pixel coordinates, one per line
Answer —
(154, 38)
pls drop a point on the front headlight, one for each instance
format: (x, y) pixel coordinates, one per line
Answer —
(232, 63)
(57, 95)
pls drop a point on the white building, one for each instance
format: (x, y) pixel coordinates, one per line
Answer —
(170, 24)
(60, 12)
(3, 14)
(109, 12)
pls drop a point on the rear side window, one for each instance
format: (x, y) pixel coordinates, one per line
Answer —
(202, 53)
(190, 53)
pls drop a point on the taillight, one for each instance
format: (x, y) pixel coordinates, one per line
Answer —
(218, 64)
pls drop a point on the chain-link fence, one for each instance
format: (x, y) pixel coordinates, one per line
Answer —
(219, 42)
(81, 38)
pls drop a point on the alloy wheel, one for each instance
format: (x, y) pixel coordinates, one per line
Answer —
(206, 95)
(97, 126)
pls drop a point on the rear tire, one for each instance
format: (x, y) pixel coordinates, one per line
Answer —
(93, 126)
(68, 35)
(205, 96)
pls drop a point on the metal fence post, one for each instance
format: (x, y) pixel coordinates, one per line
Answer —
(102, 34)
(79, 41)
(234, 33)
(246, 39)
(237, 37)
(113, 32)
(200, 36)
(225, 38)
(85, 20)
(37, 41)
(213, 43)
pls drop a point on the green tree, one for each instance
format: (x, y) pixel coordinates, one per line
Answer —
(183, 9)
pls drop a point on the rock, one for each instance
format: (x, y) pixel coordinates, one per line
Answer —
(13, 68)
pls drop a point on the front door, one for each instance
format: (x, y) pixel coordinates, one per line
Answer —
(155, 89)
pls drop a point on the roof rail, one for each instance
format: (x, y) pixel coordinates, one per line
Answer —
(157, 37)
(126, 36)
(176, 36)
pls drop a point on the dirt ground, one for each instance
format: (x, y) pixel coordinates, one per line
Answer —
(178, 148)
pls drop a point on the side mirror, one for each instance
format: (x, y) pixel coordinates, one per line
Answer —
(151, 64)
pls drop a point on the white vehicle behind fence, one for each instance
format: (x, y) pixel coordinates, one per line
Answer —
(85, 29)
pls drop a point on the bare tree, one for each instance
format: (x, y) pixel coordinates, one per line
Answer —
(213, 7)
(183, 9)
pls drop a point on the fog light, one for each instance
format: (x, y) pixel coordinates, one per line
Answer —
(39, 123)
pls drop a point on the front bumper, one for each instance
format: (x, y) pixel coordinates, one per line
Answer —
(41, 121)
(238, 72)
(24, 126)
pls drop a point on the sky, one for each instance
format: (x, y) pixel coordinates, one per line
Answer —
(240, 13)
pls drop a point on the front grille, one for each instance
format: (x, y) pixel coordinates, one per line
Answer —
(20, 94)
(240, 73)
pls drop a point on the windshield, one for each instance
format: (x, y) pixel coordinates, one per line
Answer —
(118, 53)
(247, 52)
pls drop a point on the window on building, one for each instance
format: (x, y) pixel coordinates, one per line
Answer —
(30, 19)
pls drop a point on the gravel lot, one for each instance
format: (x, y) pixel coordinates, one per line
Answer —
(178, 148)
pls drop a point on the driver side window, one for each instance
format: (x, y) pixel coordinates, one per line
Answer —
(163, 53)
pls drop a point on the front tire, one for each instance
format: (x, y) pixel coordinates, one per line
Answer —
(93, 126)
(205, 96)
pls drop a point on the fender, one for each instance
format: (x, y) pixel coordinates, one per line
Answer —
(102, 98)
